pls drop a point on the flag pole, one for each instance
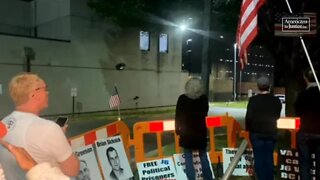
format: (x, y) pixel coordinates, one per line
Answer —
(306, 51)
(119, 115)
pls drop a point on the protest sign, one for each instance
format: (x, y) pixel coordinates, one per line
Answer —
(113, 158)
(88, 164)
(245, 165)
(159, 169)
(179, 160)
(289, 164)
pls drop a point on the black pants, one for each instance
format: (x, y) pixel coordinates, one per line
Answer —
(308, 144)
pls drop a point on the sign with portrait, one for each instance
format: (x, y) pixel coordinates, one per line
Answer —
(113, 158)
(89, 169)
(157, 169)
(179, 160)
(245, 164)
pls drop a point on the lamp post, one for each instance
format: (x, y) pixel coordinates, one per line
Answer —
(235, 72)
(205, 62)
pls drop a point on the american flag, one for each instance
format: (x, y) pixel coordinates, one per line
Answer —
(278, 31)
(114, 100)
(247, 27)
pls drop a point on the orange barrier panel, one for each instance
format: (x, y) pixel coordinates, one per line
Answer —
(157, 127)
(233, 130)
(112, 129)
(167, 126)
(292, 124)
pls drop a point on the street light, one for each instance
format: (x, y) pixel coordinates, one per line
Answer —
(235, 72)
(183, 27)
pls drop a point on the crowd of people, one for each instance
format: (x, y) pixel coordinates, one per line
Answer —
(35, 148)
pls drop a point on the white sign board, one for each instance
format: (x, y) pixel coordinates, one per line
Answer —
(180, 166)
(157, 169)
(245, 165)
(88, 163)
(113, 158)
(73, 92)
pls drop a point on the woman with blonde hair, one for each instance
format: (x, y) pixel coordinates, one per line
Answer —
(190, 122)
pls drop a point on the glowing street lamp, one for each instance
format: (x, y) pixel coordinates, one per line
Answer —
(183, 27)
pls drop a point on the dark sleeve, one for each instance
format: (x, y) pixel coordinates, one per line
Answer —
(249, 115)
(179, 115)
(206, 105)
(299, 105)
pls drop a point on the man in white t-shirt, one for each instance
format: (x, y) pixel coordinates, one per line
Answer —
(44, 140)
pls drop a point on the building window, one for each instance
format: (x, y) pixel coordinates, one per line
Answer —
(163, 43)
(144, 41)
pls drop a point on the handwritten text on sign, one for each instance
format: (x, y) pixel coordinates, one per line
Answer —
(157, 169)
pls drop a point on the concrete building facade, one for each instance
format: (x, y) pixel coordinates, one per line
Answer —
(85, 59)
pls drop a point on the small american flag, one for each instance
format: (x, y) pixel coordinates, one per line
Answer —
(114, 100)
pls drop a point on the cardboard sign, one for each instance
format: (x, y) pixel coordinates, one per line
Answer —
(179, 160)
(245, 165)
(159, 169)
(88, 164)
(113, 158)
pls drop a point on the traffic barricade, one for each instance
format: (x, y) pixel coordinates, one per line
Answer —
(112, 129)
(157, 127)
(291, 124)
(233, 129)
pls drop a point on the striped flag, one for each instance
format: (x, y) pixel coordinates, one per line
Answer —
(114, 100)
(247, 27)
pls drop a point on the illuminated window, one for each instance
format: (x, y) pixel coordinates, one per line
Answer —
(144, 41)
(163, 43)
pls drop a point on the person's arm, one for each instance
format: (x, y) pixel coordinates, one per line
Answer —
(178, 116)
(248, 117)
(299, 104)
(70, 166)
(34, 171)
(23, 158)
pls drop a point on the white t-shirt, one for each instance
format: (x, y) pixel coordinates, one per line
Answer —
(43, 139)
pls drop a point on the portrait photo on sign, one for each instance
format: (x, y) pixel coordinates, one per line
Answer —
(113, 159)
(89, 169)
(179, 160)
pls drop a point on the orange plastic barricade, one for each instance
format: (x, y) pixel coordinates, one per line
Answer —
(292, 124)
(115, 128)
(233, 129)
(158, 127)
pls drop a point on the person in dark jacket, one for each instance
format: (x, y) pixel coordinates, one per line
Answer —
(308, 137)
(190, 122)
(263, 111)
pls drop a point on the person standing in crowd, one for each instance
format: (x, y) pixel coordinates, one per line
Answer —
(263, 111)
(308, 137)
(34, 170)
(190, 124)
(43, 139)
(113, 158)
